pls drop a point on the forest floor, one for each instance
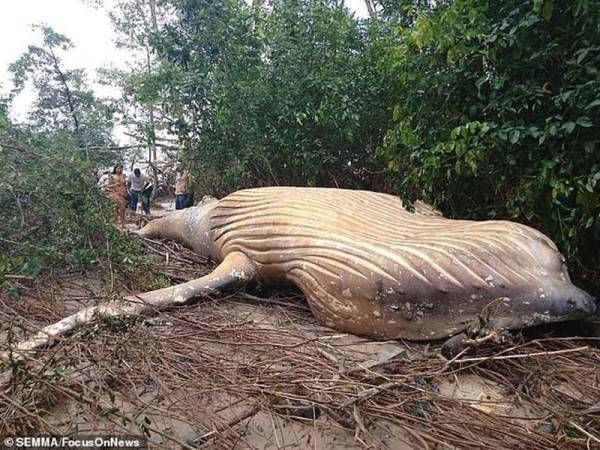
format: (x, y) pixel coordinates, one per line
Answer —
(255, 370)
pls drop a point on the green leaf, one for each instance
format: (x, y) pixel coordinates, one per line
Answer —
(584, 122)
(547, 9)
(423, 32)
(568, 127)
(589, 222)
(513, 136)
(593, 104)
(581, 54)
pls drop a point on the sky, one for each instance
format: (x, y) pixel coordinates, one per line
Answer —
(89, 29)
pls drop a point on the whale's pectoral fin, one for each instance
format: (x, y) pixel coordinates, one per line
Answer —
(236, 269)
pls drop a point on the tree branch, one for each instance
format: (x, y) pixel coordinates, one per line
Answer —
(69, 96)
(371, 8)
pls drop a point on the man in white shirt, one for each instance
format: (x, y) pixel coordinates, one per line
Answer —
(136, 184)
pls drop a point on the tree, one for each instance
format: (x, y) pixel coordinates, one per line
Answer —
(273, 94)
(52, 213)
(64, 101)
(137, 22)
(499, 116)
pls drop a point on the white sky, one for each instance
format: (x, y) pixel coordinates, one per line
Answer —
(89, 29)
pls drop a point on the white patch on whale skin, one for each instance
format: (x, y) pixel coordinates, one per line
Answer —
(240, 274)
(489, 280)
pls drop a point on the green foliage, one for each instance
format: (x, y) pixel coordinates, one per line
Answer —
(119, 325)
(277, 96)
(157, 281)
(487, 109)
(64, 100)
(499, 115)
(52, 214)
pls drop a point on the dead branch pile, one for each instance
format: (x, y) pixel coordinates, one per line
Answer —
(255, 370)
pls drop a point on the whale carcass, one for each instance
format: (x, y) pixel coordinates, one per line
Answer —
(366, 264)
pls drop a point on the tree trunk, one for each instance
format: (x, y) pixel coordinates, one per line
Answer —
(152, 157)
(371, 8)
(153, 15)
(70, 100)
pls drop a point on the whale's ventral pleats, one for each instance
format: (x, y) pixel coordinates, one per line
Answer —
(369, 266)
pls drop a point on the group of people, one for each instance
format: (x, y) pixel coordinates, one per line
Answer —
(129, 191)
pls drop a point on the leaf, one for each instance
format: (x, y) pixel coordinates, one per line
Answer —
(581, 54)
(589, 222)
(480, 82)
(423, 32)
(584, 122)
(513, 136)
(593, 104)
(568, 127)
(547, 10)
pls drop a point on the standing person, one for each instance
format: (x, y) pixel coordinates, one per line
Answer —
(136, 184)
(117, 192)
(146, 198)
(182, 193)
(103, 181)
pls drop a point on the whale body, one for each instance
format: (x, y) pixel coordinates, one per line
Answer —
(369, 266)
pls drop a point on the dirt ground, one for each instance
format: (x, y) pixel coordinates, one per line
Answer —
(254, 370)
